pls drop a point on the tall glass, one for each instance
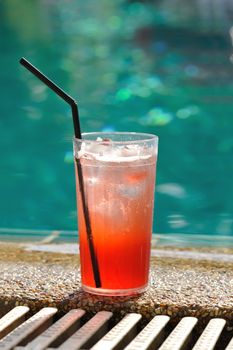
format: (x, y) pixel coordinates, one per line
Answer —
(118, 171)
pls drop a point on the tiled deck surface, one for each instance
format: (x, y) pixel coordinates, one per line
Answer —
(183, 282)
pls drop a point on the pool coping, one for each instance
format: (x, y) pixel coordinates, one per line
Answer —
(183, 282)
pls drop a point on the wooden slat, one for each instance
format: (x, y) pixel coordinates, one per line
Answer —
(151, 335)
(210, 335)
(57, 333)
(12, 320)
(29, 329)
(89, 333)
(120, 335)
(180, 335)
(230, 345)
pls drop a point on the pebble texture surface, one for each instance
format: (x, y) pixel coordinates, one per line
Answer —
(179, 286)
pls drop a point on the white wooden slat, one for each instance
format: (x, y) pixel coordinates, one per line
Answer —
(180, 335)
(150, 335)
(120, 335)
(95, 328)
(210, 335)
(12, 320)
(29, 329)
(230, 345)
(57, 333)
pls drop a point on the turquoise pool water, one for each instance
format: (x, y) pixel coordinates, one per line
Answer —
(157, 66)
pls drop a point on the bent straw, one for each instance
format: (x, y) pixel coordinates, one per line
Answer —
(77, 132)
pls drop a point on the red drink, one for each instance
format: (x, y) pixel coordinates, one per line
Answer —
(119, 189)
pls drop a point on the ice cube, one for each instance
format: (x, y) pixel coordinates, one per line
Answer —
(105, 150)
(95, 149)
(111, 208)
(133, 184)
(132, 191)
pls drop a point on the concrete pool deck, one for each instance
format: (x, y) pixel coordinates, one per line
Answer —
(184, 282)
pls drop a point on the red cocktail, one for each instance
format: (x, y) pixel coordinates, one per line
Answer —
(119, 176)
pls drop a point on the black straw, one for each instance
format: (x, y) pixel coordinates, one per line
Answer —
(77, 132)
(59, 92)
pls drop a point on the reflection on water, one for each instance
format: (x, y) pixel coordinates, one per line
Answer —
(158, 66)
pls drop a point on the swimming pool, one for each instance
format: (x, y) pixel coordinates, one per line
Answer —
(156, 67)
